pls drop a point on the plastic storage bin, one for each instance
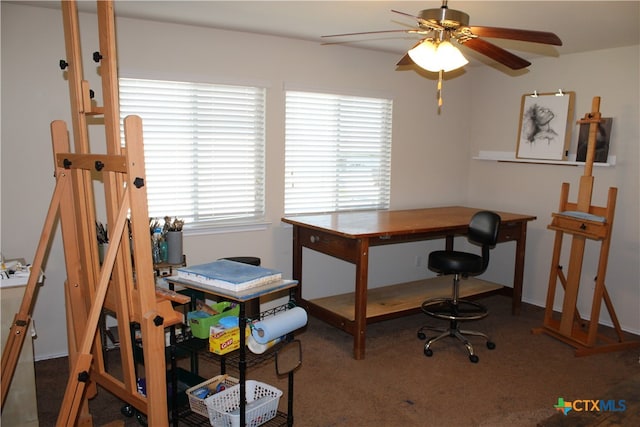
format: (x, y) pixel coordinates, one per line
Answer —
(200, 325)
(262, 405)
(196, 403)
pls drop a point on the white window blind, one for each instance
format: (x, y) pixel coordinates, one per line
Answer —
(204, 148)
(338, 153)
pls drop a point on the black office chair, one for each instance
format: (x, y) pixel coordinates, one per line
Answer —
(483, 230)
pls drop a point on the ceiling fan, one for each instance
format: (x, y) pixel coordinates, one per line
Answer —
(435, 52)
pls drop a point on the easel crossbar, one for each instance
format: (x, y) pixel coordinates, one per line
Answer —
(97, 162)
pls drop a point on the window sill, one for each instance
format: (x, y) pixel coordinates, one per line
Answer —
(225, 228)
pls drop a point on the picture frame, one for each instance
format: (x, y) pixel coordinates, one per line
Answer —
(603, 138)
(545, 126)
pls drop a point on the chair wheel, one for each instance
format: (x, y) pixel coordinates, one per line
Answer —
(421, 335)
(491, 345)
(428, 352)
(474, 358)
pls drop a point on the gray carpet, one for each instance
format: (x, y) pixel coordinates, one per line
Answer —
(517, 384)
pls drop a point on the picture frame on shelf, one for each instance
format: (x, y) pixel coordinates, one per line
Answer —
(603, 138)
(544, 131)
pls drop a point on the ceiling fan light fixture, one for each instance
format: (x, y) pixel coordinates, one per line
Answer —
(443, 56)
(425, 56)
(450, 57)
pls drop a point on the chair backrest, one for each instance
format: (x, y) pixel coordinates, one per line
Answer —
(483, 230)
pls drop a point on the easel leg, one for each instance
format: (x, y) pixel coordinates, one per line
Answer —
(553, 279)
(75, 389)
(573, 286)
(155, 369)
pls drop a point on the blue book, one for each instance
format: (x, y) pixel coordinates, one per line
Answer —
(584, 215)
(230, 275)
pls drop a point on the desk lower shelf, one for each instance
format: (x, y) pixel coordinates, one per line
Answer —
(384, 302)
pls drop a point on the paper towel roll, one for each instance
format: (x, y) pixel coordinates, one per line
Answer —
(258, 348)
(281, 324)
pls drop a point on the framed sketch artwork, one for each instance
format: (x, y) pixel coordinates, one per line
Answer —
(545, 126)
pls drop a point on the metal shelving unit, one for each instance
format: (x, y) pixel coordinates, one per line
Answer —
(240, 359)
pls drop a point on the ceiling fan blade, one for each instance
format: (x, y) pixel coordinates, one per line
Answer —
(424, 22)
(514, 34)
(497, 53)
(376, 32)
(405, 60)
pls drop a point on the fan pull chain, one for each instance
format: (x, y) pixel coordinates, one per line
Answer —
(440, 76)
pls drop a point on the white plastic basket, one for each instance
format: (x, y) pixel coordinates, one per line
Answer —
(196, 403)
(262, 405)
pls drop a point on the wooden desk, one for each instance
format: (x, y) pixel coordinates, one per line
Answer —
(349, 235)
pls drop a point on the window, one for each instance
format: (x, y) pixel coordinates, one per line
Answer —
(204, 149)
(338, 153)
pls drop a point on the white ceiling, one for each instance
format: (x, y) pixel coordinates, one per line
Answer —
(582, 25)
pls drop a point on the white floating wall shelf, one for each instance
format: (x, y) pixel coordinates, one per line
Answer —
(510, 156)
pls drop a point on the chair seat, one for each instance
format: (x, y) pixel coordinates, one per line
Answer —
(451, 262)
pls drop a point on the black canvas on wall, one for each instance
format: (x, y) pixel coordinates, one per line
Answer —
(602, 141)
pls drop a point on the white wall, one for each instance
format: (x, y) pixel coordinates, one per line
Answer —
(431, 158)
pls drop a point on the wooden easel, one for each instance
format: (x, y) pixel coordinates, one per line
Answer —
(583, 221)
(91, 287)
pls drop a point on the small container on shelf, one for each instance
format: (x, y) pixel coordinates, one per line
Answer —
(201, 323)
(198, 393)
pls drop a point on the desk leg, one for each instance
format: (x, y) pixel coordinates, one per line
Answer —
(362, 272)
(297, 259)
(518, 275)
(448, 246)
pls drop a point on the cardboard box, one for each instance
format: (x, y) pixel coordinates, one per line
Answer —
(222, 341)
